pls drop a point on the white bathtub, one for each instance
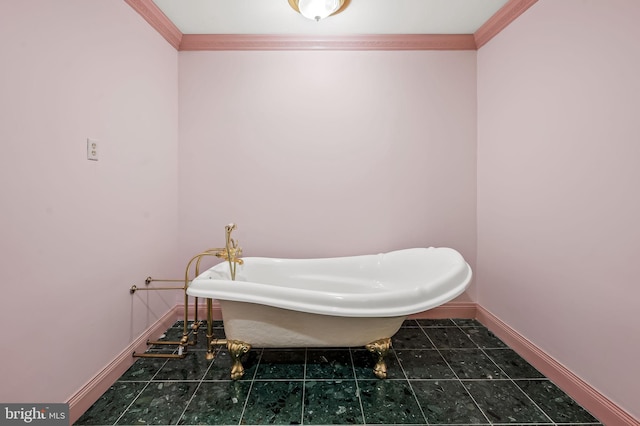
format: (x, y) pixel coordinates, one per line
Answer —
(336, 302)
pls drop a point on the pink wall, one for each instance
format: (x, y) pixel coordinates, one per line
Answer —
(77, 234)
(328, 153)
(558, 173)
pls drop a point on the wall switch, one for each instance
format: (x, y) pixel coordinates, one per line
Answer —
(92, 149)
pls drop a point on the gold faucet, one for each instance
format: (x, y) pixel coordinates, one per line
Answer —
(232, 251)
(230, 254)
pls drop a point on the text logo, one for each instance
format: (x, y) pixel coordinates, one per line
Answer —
(35, 414)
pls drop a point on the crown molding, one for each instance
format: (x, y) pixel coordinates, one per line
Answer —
(500, 20)
(333, 42)
(158, 20)
(194, 42)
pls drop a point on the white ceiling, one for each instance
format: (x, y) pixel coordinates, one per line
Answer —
(359, 17)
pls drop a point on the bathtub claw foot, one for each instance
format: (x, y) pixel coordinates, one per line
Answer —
(236, 350)
(380, 348)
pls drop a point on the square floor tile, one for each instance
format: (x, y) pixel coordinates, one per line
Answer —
(554, 402)
(446, 402)
(281, 364)
(410, 338)
(472, 364)
(277, 402)
(192, 367)
(110, 406)
(173, 334)
(503, 402)
(513, 364)
(484, 338)
(217, 403)
(329, 364)
(143, 369)
(389, 402)
(332, 402)
(424, 364)
(409, 324)
(444, 322)
(467, 322)
(449, 338)
(160, 403)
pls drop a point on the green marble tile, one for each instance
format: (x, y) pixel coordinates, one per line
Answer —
(168, 336)
(484, 338)
(111, 404)
(281, 364)
(161, 349)
(221, 367)
(411, 338)
(329, 364)
(218, 333)
(409, 324)
(553, 401)
(192, 367)
(173, 334)
(436, 322)
(467, 322)
(161, 403)
(332, 402)
(390, 402)
(503, 402)
(449, 338)
(471, 364)
(513, 364)
(330, 393)
(446, 402)
(277, 402)
(424, 364)
(143, 369)
(217, 403)
(198, 342)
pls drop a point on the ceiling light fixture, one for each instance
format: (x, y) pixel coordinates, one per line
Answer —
(316, 9)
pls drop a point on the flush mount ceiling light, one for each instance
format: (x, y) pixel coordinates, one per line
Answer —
(316, 9)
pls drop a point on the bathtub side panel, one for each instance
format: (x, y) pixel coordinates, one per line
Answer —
(268, 327)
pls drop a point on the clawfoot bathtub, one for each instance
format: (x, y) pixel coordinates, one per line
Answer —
(331, 302)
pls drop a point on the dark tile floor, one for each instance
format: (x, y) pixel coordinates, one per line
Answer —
(453, 372)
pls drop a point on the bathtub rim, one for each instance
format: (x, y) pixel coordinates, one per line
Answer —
(391, 302)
